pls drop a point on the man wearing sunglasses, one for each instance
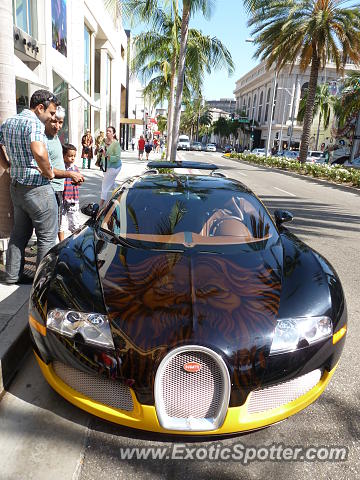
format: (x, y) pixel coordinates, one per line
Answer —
(31, 192)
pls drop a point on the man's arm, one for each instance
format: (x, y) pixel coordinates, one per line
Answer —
(42, 159)
(4, 161)
(76, 177)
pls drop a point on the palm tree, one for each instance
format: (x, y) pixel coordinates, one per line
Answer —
(308, 33)
(157, 53)
(189, 7)
(323, 104)
(7, 104)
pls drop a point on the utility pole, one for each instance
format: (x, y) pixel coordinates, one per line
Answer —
(271, 115)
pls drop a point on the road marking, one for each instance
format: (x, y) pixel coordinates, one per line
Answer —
(242, 174)
(284, 191)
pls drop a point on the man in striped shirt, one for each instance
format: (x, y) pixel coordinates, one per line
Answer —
(32, 195)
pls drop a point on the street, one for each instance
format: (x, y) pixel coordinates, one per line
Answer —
(42, 436)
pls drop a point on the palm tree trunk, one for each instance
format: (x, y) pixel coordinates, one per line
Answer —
(180, 79)
(171, 105)
(318, 132)
(7, 105)
(308, 117)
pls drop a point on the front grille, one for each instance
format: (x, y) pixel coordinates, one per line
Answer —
(192, 400)
(282, 393)
(107, 392)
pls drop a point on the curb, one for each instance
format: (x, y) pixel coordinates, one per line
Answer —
(321, 181)
(14, 346)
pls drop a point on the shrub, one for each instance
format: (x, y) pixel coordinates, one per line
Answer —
(336, 174)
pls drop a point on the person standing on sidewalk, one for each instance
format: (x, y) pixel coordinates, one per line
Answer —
(31, 192)
(87, 149)
(111, 163)
(141, 146)
(133, 140)
(52, 128)
(70, 219)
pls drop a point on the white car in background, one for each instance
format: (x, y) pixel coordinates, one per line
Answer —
(258, 151)
(210, 147)
(315, 156)
(183, 143)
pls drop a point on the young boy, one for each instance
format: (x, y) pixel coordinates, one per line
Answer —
(70, 209)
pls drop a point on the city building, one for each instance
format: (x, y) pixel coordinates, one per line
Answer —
(78, 50)
(226, 104)
(259, 89)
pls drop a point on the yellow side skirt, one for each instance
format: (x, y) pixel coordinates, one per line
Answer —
(144, 416)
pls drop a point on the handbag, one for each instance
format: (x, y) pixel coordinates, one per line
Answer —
(103, 164)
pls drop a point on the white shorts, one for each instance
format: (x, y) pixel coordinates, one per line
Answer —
(70, 220)
(108, 183)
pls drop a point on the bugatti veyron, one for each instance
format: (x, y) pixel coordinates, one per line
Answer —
(184, 307)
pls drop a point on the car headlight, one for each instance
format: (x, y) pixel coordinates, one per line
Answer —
(92, 328)
(293, 333)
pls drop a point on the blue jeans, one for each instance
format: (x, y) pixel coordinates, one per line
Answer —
(34, 207)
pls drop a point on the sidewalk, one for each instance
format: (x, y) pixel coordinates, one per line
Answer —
(14, 336)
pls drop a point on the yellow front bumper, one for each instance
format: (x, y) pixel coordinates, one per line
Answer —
(144, 416)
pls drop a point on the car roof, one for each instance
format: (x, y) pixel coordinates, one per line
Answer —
(186, 181)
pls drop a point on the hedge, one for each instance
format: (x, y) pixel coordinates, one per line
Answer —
(336, 174)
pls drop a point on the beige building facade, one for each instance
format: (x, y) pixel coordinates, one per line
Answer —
(260, 88)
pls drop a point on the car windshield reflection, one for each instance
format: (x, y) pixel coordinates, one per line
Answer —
(171, 216)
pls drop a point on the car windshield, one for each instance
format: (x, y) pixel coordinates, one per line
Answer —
(188, 216)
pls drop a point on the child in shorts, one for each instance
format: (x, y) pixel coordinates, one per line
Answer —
(70, 219)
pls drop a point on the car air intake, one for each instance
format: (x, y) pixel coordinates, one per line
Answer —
(192, 389)
(282, 393)
(100, 389)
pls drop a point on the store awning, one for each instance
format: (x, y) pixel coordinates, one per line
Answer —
(24, 73)
(135, 121)
(80, 91)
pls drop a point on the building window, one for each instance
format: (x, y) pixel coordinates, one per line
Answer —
(108, 90)
(267, 105)
(87, 75)
(304, 89)
(61, 90)
(254, 108)
(25, 16)
(59, 27)
(260, 106)
(248, 108)
(22, 95)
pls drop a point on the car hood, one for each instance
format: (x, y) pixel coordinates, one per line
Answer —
(157, 301)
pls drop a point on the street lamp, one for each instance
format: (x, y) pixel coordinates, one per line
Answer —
(271, 115)
(283, 118)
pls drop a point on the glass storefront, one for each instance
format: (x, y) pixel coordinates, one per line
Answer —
(59, 26)
(22, 96)
(87, 75)
(61, 90)
(108, 90)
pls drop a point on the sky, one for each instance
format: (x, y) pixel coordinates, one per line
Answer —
(228, 24)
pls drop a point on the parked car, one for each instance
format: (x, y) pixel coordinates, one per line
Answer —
(210, 147)
(340, 160)
(259, 151)
(315, 156)
(183, 307)
(197, 146)
(291, 154)
(228, 149)
(354, 164)
(183, 143)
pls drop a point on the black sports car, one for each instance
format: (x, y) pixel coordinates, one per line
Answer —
(182, 307)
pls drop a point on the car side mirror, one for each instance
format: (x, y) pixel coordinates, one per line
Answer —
(90, 210)
(282, 216)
